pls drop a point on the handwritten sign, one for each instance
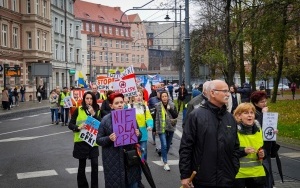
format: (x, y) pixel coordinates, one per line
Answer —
(124, 125)
(68, 102)
(89, 134)
(105, 83)
(270, 120)
(126, 86)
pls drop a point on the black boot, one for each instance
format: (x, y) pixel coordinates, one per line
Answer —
(140, 185)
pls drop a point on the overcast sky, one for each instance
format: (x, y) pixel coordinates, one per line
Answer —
(152, 15)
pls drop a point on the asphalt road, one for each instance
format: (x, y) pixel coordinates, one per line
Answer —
(37, 154)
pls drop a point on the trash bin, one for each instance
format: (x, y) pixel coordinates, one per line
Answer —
(268, 91)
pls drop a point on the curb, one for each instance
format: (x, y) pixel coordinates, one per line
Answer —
(19, 113)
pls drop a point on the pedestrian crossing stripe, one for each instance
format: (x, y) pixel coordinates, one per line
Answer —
(170, 162)
(36, 174)
(291, 155)
(87, 169)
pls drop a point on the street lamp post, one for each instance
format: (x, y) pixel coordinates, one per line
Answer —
(90, 55)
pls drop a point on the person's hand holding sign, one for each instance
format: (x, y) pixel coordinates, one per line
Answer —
(137, 132)
(113, 137)
(82, 126)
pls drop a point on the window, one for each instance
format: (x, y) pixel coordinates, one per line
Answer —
(122, 32)
(45, 41)
(101, 56)
(133, 58)
(126, 57)
(44, 8)
(105, 43)
(138, 58)
(61, 26)
(15, 37)
(100, 41)
(28, 7)
(93, 27)
(62, 53)
(93, 55)
(117, 44)
(110, 30)
(4, 35)
(110, 43)
(126, 33)
(14, 5)
(87, 26)
(110, 56)
(93, 41)
(77, 55)
(127, 45)
(142, 58)
(38, 40)
(132, 33)
(122, 44)
(138, 46)
(70, 7)
(29, 40)
(100, 28)
(56, 51)
(105, 56)
(117, 57)
(122, 57)
(105, 30)
(71, 30)
(37, 7)
(82, 29)
(56, 24)
(117, 31)
(71, 55)
(77, 31)
(88, 55)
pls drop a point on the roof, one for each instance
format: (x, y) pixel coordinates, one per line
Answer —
(134, 18)
(99, 13)
(143, 66)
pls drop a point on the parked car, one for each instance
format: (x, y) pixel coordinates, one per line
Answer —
(280, 87)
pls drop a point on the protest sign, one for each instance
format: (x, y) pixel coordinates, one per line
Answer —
(68, 102)
(270, 120)
(105, 83)
(89, 134)
(124, 126)
(126, 86)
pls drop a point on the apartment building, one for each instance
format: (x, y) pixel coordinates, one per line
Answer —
(25, 39)
(108, 43)
(66, 43)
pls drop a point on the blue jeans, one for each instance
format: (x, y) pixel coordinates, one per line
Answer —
(54, 112)
(143, 145)
(64, 114)
(133, 185)
(165, 140)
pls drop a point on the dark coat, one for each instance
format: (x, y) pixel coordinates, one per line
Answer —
(116, 175)
(210, 146)
(181, 93)
(82, 150)
(194, 103)
(105, 108)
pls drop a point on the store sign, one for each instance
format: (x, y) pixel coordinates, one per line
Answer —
(13, 71)
(72, 71)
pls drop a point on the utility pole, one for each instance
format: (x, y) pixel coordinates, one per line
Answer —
(180, 51)
(91, 52)
(187, 48)
(66, 43)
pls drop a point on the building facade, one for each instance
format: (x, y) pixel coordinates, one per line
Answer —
(66, 44)
(108, 43)
(25, 35)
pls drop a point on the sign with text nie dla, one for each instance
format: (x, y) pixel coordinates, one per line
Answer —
(89, 134)
(124, 125)
(270, 120)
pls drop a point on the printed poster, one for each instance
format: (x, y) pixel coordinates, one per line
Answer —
(89, 134)
(270, 120)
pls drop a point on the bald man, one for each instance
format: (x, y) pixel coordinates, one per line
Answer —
(209, 144)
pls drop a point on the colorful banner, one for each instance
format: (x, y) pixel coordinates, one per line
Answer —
(124, 126)
(89, 134)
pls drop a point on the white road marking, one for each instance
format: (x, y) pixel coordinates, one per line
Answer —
(31, 137)
(25, 129)
(291, 155)
(170, 162)
(36, 174)
(87, 169)
(46, 113)
(178, 133)
(33, 115)
(15, 119)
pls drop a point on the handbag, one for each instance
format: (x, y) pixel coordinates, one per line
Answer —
(173, 122)
(131, 158)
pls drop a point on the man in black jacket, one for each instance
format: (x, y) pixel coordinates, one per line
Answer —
(209, 143)
(182, 93)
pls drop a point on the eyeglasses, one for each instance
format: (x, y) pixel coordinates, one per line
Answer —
(224, 91)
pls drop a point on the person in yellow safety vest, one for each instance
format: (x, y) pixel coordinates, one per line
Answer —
(83, 150)
(251, 173)
(64, 110)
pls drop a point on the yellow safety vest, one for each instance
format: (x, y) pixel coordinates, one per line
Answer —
(81, 118)
(63, 97)
(250, 166)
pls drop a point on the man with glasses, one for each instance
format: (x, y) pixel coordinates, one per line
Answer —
(209, 144)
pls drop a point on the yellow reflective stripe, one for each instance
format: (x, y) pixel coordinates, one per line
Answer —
(246, 159)
(250, 164)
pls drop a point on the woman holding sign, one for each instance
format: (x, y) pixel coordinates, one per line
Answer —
(117, 174)
(82, 150)
(259, 100)
(165, 123)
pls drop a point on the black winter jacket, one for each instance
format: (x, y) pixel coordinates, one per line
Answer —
(210, 146)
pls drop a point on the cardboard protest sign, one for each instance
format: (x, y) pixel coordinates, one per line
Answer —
(89, 134)
(105, 83)
(270, 120)
(68, 102)
(126, 86)
(127, 71)
(124, 125)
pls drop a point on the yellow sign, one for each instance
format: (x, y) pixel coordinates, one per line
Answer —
(12, 71)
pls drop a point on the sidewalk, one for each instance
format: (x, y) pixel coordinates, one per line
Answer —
(26, 106)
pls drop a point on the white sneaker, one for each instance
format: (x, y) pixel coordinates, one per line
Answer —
(166, 167)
